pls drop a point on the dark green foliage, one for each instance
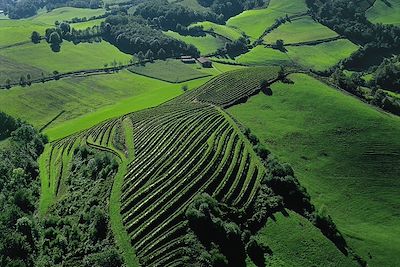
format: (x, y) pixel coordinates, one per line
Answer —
(35, 37)
(23, 8)
(7, 125)
(18, 195)
(256, 252)
(227, 9)
(387, 75)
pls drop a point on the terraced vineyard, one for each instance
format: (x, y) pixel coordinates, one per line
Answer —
(181, 149)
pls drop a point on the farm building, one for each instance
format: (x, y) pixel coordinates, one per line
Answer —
(205, 62)
(188, 59)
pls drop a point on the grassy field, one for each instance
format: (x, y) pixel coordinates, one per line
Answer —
(106, 94)
(294, 241)
(206, 44)
(71, 57)
(170, 70)
(15, 31)
(381, 13)
(87, 24)
(322, 56)
(261, 55)
(300, 30)
(255, 22)
(226, 31)
(345, 152)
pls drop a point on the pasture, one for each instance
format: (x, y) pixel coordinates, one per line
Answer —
(321, 56)
(304, 29)
(40, 56)
(206, 44)
(296, 242)
(345, 152)
(226, 31)
(380, 12)
(254, 22)
(170, 70)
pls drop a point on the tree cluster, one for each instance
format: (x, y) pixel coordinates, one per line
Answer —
(76, 230)
(133, 35)
(226, 9)
(23, 8)
(19, 193)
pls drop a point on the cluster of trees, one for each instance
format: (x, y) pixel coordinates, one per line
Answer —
(19, 193)
(387, 75)
(235, 48)
(76, 230)
(133, 35)
(226, 9)
(23, 8)
(93, 4)
(348, 19)
(171, 16)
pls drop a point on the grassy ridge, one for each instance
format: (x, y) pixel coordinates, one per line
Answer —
(228, 32)
(261, 55)
(255, 22)
(345, 153)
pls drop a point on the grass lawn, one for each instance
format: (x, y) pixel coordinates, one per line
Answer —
(294, 241)
(322, 56)
(381, 13)
(15, 31)
(226, 31)
(170, 70)
(255, 22)
(300, 30)
(12, 70)
(261, 55)
(345, 152)
(71, 57)
(206, 44)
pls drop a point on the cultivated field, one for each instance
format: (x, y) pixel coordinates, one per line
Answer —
(343, 151)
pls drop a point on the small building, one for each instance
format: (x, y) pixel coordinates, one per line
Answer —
(205, 62)
(188, 59)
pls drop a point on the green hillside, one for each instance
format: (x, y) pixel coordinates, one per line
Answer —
(386, 12)
(345, 153)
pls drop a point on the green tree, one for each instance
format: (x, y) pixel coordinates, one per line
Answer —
(35, 37)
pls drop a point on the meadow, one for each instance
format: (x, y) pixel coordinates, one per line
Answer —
(170, 70)
(86, 24)
(382, 13)
(226, 31)
(345, 152)
(304, 29)
(206, 44)
(265, 18)
(296, 242)
(321, 56)
(261, 55)
(16, 31)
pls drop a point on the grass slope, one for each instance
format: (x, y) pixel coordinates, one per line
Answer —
(255, 22)
(322, 56)
(294, 241)
(170, 70)
(345, 152)
(87, 24)
(300, 30)
(206, 44)
(226, 31)
(382, 13)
